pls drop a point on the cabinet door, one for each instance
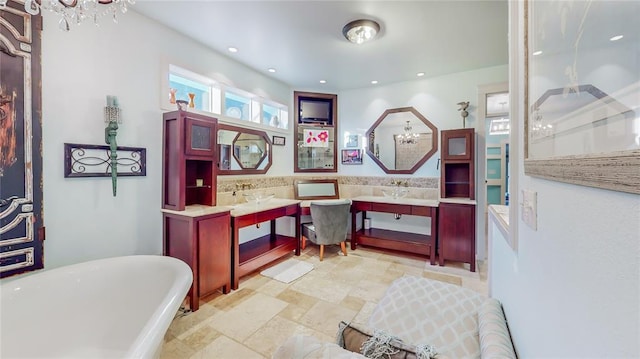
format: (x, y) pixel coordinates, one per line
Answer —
(456, 233)
(214, 252)
(457, 144)
(21, 211)
(200, 137)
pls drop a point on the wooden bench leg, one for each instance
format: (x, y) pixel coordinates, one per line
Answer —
(321, 252)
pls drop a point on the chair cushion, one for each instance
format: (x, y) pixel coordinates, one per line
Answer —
(420, 310)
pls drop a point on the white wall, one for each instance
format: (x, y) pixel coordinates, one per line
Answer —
(572, 288)
(82, 219)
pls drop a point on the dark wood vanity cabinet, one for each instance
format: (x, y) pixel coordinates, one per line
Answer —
(457, 233)
(457, 178)
(189, 160)
(204, 243)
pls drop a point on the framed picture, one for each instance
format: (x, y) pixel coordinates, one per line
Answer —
(279, 140)
(352, 141)
(352, 157)
(582, 118)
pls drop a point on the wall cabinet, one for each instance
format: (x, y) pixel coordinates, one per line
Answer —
(204, 243)
(315, 126)
(457, 233)
(189, 160)
(457, 178)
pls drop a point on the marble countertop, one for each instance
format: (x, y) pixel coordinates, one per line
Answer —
(500, 215)
(408, 201)
(248, 208)
(457, 200)
(197, 210)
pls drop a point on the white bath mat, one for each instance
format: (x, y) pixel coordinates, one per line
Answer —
(288, 271)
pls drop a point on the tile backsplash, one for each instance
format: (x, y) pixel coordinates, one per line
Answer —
(349, 186)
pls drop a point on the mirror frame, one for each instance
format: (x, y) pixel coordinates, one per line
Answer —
(243, 171)
(424, 158)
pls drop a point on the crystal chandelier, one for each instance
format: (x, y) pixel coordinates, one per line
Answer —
(408, 137)
(76, 11)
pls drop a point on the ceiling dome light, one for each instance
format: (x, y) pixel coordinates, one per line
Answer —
(233, 49)
(616, 38)
(272, 70)
(360, 31)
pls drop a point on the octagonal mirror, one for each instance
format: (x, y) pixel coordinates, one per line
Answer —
(402, 140)
(242, 151)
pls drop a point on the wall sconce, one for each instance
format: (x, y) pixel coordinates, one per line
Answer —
(112, 119)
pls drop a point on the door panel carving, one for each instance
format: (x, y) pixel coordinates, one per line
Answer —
(21, 222)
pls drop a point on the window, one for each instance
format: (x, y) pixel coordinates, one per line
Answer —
(211, 96)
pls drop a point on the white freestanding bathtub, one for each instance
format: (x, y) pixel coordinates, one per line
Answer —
(109, 308)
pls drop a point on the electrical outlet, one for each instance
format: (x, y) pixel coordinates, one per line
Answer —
(530, 208)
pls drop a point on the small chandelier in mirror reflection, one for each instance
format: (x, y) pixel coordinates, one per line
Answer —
(76, 11)
(360, 31)
(408, 137)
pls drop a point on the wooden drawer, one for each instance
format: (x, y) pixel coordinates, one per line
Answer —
(291, 210)
(421, 211)
(361, 206)
(391, 208)
(270, 214)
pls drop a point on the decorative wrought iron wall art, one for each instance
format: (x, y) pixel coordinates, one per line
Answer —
(82, 160)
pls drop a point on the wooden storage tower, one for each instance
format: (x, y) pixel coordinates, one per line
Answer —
(457, 208)
(193, 229)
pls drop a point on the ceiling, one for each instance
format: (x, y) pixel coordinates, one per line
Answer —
(303, 40)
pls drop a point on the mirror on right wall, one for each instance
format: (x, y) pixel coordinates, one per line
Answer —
(402, 140)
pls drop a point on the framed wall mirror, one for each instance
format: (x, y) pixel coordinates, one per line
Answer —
(242, 151)
(402, 140)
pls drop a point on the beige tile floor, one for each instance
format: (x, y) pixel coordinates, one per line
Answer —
(254, 320)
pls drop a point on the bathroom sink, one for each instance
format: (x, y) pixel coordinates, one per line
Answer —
(395, 192)
(257, 198)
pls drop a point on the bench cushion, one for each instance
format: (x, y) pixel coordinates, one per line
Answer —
(420, 310)
(495, 340)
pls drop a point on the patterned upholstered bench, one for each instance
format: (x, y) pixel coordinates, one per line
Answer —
(458, 322)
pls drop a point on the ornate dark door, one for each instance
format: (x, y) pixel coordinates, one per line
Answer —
(21, 222)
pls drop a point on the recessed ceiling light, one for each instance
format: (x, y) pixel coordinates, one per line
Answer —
(374, 82)
(539, 52)
(616, 38)
(272, 70)
(323, 81)
(233, 49)
(420, 74)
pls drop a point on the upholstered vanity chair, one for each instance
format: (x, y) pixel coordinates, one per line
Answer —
(330, 220)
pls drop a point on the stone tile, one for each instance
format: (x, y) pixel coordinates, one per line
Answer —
(224, 347)
(297, 298)
(254, 281)
(324, 317)
(243, 320)
(267, 339)
(293, 312)
(353, 303)
(321, 288)
(368, 290)
(233, 299)
(191, 321)
(201, 338)
(273, 288)
(443, 277)
(176, 349)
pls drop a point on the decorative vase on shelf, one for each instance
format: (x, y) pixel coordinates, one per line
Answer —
(192, 104)
(172, 95)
